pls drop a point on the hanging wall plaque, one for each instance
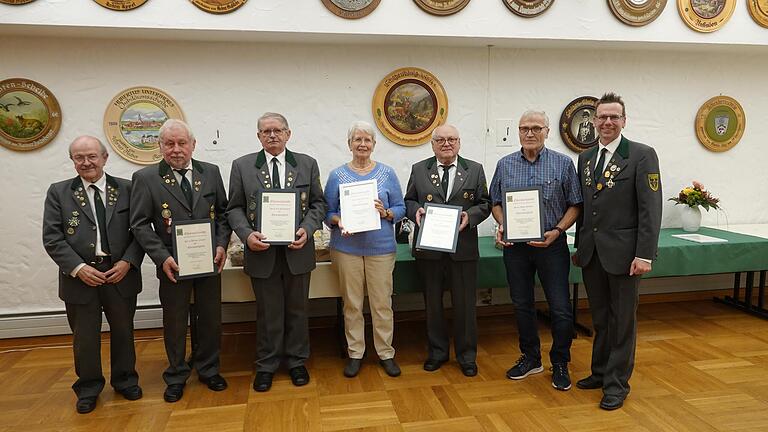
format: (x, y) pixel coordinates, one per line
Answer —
(637, 12)
(758, 9)
(351, 9)
(442, 7)
(577, 124)
(218, 6)
(528, 8)
(720, 123)
(121, 5)
(408, 104)
(132, 122)
(706, 15)
(30, 116)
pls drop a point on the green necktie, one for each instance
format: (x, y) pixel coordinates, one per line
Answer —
(444, 180)
(275, 174)
(185, 186)
(101, 218)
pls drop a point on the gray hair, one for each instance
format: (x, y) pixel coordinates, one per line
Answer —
(536, 113)
(271, 115)
(361, 126)
(176, 123)
(434, 131)
(102, 147)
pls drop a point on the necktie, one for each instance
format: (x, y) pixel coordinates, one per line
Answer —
(185, 186)
(275, 174)
(600, 163)
(101, 218)
(444, 180)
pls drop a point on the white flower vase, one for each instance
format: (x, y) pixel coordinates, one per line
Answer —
(691, 217)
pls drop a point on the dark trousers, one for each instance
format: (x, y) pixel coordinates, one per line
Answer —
(613, 303)
(460, 277)
(85, 322)
(523, 263)
(175, 298)
(282, 328)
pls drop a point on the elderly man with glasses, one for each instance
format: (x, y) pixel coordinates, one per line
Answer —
(279, 272)
(447, 178)
(534, 165)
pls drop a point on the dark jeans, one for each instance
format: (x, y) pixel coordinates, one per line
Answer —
(552, 264)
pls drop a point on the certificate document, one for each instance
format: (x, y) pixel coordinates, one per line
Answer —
(358, 211)
(523, 218)
(278, 216)
(193, 248)
(439, 230)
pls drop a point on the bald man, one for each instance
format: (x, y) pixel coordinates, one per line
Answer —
(86, 233)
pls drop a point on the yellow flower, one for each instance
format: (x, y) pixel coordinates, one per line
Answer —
(687, 191)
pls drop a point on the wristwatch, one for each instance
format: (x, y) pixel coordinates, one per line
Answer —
(389, 214)
(562, 231)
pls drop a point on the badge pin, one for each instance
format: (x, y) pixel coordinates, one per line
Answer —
(472, 197)
(429, 197)
(267, 185)
(252, 216)
(252, 206)
(303, 196)
(74, 221)
(599, 186)
(164, 205)
(588, 182)
(213, 215)
(80, 189)
(607, 174)
(198, 182)
(466, 195)
(82, 204)
(167, 180)
(609, 183)
(70, 231)
(197, 189)
(458, 174)
(75, 213)
(290, 178)
(613, 168)
(166, 214)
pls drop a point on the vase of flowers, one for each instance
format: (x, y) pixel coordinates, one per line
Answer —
(692, 198)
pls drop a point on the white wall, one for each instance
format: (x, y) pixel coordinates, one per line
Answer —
(322, 83)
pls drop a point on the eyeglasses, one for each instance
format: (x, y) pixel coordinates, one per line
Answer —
(268, 132)
(441, 141)
(612, 117)
(79, 159)
(535, 129)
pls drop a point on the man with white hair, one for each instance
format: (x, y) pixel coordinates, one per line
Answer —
(177, 189)
(85, 231)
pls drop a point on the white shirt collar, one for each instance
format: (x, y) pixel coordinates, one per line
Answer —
(611, 146)
(280, 158)
(100, 183)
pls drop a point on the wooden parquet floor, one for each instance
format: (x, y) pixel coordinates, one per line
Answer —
(700, 367)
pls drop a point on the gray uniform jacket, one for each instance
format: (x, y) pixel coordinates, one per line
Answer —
(621, 219)
(158, 201)
(470, 191)
(251, 175)
(69, 236)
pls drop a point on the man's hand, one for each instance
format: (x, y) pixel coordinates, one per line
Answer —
(255, 242)
(549, 237)
(500, 237)
(117, 272)
(300, 241)
(419, 213)
(464, 220)
(90, 276)
(221, 258)
(170, 266)
(639, 267)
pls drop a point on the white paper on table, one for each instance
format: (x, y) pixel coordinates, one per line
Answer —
(439, 228)
(700, 238)
(358, 211)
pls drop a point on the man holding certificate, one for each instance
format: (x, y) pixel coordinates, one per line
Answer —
(616, 241)
(276, 205)
(181, 195)
(364, 203)
(536, 197)
(447, 183)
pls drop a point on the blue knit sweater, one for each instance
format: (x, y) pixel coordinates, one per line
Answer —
(379, 242)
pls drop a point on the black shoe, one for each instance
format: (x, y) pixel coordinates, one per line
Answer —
(390, 367)
(468, 369)
(560, 378)
(611, 402)
(589, 383)
(431, 365)
(263, 381)
(86, 404)
(353, 367)
(173, 392)
(299, 376)
(131, 393)
(215, 383)
(525, 366)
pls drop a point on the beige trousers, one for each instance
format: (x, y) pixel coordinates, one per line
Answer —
(356, 273)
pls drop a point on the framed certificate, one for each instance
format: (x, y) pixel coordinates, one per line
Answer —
(523, 219)
(193, 248)
(278, 213)
(439, 229)
(358, 211)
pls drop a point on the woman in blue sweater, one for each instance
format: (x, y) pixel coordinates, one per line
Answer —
(366, 259)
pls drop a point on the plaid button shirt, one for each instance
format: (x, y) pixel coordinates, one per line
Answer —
(553, 171)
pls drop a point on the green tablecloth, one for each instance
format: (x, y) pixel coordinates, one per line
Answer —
(677, 257)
